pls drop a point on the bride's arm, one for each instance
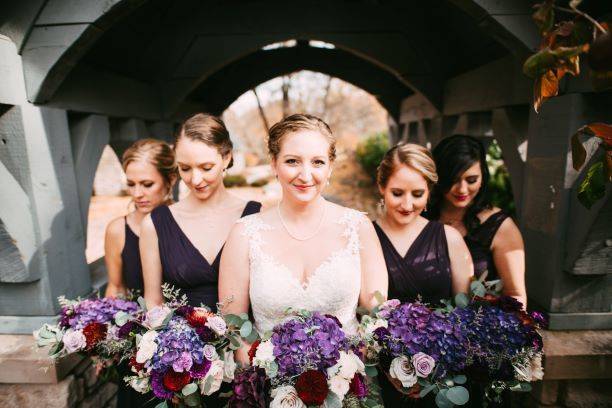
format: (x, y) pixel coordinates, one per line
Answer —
(234, 279)
(373, 270)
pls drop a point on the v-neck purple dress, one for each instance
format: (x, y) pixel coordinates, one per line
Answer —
(424, 271)
(183, 266)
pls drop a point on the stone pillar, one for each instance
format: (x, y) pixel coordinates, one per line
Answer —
(89, 135)
(40, 200)
(556, 226)
(510, 130)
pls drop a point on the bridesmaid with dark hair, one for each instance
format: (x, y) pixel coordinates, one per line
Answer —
(150, 172)
(181, 244)
(425, 260)
(460, 200)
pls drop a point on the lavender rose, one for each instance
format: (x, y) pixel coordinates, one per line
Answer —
(210, 352)
(156, 316)
(402, 370)
(217, 324)
(423, 364)
(74, 340)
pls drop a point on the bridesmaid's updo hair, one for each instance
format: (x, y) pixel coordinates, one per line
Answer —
(295, 123)
(208, 129)
(153, 151)
(412, 155)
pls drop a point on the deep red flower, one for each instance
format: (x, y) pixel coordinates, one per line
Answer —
(176, 381)
(94, 333)
(198, 317)
(253, 350)
(311, 387)
(136, 365)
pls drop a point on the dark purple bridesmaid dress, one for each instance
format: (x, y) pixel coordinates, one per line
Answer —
(131, 265)
(479, 243)
(183, 266)
(424, 272)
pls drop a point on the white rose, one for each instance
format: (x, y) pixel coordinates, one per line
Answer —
(286, 397)
(74, 340)
(216, 324)
(402, 370)
(210, 352)
(140, 384)
(230, 367)
(348, 364)
(147, 347)
(264, 354)
(373, 325)
(339, 386)
(155, 317)
(215, 372)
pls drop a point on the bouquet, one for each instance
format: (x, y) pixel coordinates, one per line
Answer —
(420, 348)
(91, 327)
(310, 361)
(504, 348)
(180, 352)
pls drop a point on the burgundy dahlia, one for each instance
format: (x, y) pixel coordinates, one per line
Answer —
(94, 333)
(311, 387)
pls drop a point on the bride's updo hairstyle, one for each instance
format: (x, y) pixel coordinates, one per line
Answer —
(296, 123)
(207, 129)
(412, 155)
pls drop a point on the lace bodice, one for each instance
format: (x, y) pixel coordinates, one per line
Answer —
(332, 288)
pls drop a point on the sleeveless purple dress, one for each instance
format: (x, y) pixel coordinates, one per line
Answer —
(423, 272)
(183, 266)
(131, 264)
(479, 243)
(425, 268)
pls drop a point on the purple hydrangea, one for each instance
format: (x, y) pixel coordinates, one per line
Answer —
(179, 344)
(98, 310)
(414, 328)
(307, 343)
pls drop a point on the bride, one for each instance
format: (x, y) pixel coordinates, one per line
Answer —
(306, 252)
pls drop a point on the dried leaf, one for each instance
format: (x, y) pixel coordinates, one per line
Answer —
(545, 87)
(593, 187)
(603, 131)
(578, 151)
(570, 65)
(544, 16)
(565, 28)
(547, 59)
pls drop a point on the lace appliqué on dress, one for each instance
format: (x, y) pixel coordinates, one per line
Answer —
(332, 288)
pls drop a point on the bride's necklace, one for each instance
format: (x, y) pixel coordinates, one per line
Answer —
(302, 238)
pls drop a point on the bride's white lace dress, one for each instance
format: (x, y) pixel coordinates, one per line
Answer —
(332, 288)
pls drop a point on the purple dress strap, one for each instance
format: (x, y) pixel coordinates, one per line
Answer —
(424, 271)
(479, 243)
(131, 264)
(183, 266)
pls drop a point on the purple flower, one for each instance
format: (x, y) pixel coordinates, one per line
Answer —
(157, 384)
(124, 331)
(250, 389)
(358, 386)
(307, 343)
(200, 370)
(182, 363)
(96, 310)
(423, 364)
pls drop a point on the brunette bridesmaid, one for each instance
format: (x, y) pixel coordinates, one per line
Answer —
(181, 244)
(425, 260)
(150, 171)
(460, 200)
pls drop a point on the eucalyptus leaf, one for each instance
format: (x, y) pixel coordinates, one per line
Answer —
(332, 401)
(244, 316)
(189, 389)
(461, 300)
(246, 329)
(442, 401)
(235, 343)
(162, 404)
(232, 320)
(207, 385)
(458, 395)
(460, 379)
(121, 318)
(272, 369)
(251, 338)
(379, 297)
(143, 306)
(371, 371)
(192, 400)
(167, 319)
(426, 390)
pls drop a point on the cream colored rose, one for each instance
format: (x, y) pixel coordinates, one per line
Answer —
(348, 364)
(402, 370)
(215, 372)
(286, 397)
(230, 366)
(375, 324)
(147, 347)
(339, 385)
(140, 384)
(264, 354)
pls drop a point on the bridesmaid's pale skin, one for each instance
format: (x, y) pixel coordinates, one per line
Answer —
(148, 190)
(205, 216)
(303, 167)
(507, 247)
(405, 196)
